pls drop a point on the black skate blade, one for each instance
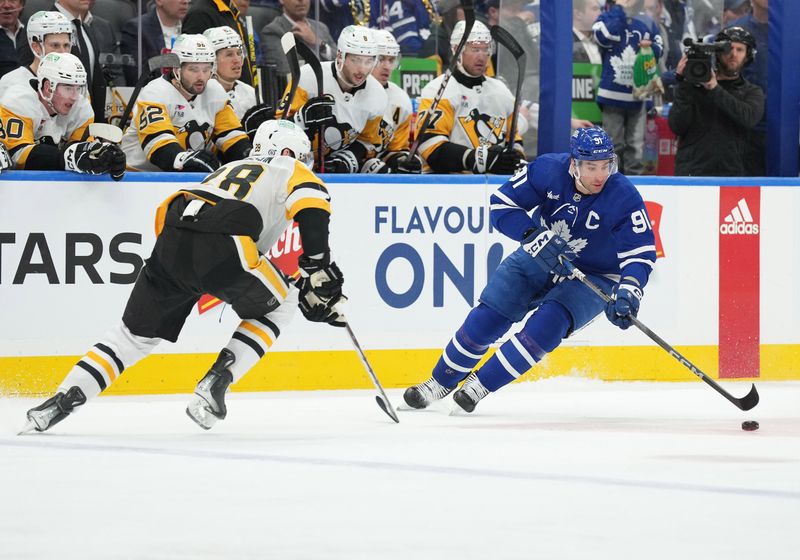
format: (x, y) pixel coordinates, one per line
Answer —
(387, 409)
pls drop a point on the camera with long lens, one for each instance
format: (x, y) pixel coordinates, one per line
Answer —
(702, 59)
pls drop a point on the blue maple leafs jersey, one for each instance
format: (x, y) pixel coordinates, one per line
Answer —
(610, 231)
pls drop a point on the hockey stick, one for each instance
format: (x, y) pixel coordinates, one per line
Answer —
(251, 51)
(469, 20)
(311, 59)
(381, 398)
(169, 60)
(745, 403)
(503, 37)
(290, 49)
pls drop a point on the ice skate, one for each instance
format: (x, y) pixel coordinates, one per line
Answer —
(208, 403)
(470, 393)
(53, 410)
(422, 395)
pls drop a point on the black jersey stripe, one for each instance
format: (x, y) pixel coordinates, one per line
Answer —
(94, 373)
(110, 353)
(250, 342)
(276, 332)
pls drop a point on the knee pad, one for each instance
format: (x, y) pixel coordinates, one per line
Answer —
(545, 329)
(484, 326)
(255, 304)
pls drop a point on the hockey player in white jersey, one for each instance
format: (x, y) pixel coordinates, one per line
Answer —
(221, 229)
(468, 129)
(229, 52)
(184, 121)
(395, 129)
(352, 106)
(44, 124)
(47, 32)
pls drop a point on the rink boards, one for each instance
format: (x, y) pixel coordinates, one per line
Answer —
(416, 254)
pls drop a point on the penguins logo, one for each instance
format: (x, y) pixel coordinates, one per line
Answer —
(339, 135)
(385, 133)
(483, 129)
(194, 134)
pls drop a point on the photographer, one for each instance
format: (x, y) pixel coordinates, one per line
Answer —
(715, 108)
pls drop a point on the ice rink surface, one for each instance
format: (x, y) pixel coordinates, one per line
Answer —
(562, 468)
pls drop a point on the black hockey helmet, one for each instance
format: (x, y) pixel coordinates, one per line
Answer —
(737, 34)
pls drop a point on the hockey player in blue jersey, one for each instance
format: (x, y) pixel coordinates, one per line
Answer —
(583, 211)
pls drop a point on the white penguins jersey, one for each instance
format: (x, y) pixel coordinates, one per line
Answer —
(395, 126)
(469, 116)
(242, 96)
(24, 123)
(20, 75)
(358, 114)
(163, 116)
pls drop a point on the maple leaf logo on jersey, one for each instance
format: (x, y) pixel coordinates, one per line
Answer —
(623, 67)
(561, 229)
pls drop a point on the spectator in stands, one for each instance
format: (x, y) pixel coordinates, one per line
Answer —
(338, 14)
(11, 34)
(584, 47)
(205, 14)
(159, 27)
(409, 21)
(438, 42)
(713, 120)
(47, 32)
(621, 32)
(756, 23)
(734, 9)
(314, 34)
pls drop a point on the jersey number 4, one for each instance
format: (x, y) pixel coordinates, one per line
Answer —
(238, 180)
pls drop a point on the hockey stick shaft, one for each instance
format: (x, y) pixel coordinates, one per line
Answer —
(745, 403)
(251, 50)
(168, 60)
(381, 398)
(503, 37)
(311, 58)
(469, 20)
(290, 50)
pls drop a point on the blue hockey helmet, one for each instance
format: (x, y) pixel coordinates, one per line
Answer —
(591, 144)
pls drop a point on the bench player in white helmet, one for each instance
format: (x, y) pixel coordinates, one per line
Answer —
(47, 32)
(468, 129)
(395, 128)
(352, 107)
(229, 51)
(224, 227)
(179, 116)
(45, 124)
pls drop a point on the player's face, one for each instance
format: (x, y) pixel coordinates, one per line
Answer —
(65, 97)
(57, 43)
(732, 61)
(475, 58)
(229, 63)
(357, 67)
(594, 174)
(384, 68)
(195, 76)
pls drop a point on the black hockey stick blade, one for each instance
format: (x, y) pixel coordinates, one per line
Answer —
(503, 37)
(468, 6)
(311, 59)
(290, 50)
(159, 62)
(747, 402)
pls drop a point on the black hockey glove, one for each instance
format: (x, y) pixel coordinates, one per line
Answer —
(94, 158)
(255, 117)
(399, 162)
(375, 166)
(548, 250)
(322, 277)
(625, 302)
(5, 159)
(316, 311)
(341, 161)
(317, 111)
(196, 161)
(493, 159)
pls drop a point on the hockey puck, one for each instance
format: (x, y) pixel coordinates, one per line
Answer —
(749, 425)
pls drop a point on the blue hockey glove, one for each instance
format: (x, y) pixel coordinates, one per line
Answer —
(625, 303)
(548, 250)
(615, 20)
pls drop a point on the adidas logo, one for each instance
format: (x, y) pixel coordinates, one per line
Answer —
(739, 221)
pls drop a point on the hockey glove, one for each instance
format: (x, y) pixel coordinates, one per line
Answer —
(5, 159)
(316, 311)
(493, 159)
(94, 158)
(320, 277)
(374, 166)
(196, 161)
(255, 117)
(548, 250)
(615, 21)
(624, 304)
(318, 111)
(399, 162)
(341, 161)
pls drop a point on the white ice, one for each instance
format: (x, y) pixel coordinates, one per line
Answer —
(564, 468)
